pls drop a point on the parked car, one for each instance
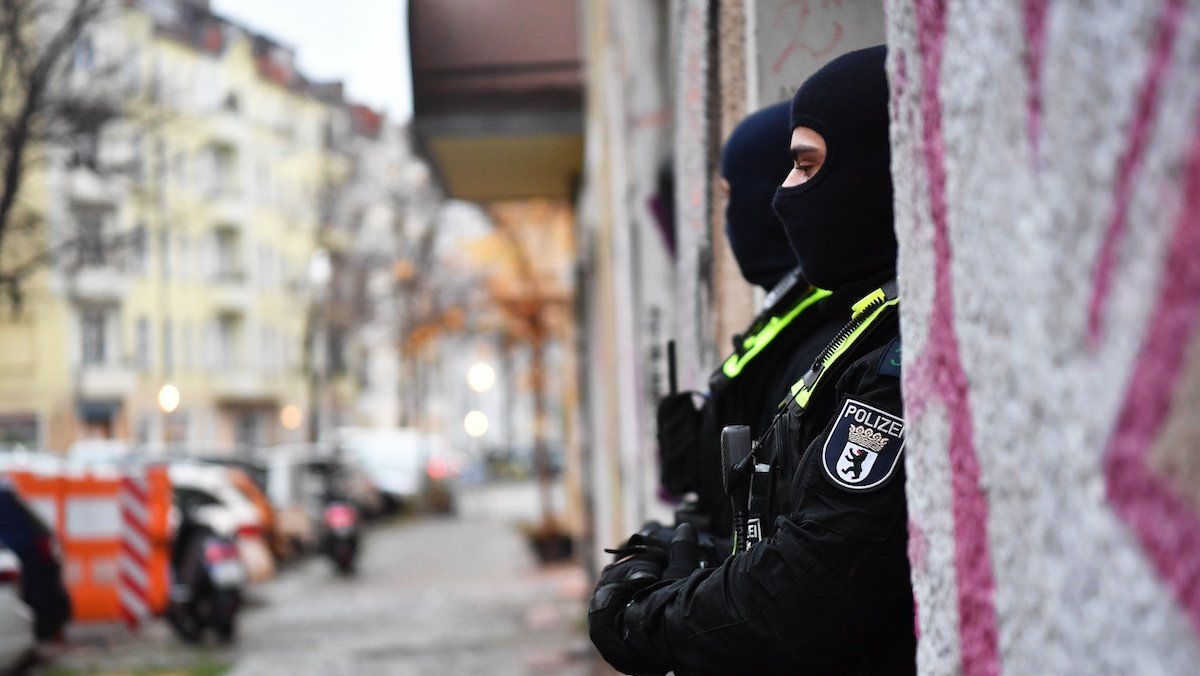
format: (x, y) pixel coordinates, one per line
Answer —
(409, 467)
(88, 453)
(214, 487)
(16, 618)
(25, 535)
(303, 478)
(30, 461)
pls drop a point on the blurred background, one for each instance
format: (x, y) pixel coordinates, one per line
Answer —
(331, 333)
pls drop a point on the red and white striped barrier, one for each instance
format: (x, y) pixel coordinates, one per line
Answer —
(133, 562)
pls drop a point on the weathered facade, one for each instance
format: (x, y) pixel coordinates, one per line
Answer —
(1047, 167)
(666, 83)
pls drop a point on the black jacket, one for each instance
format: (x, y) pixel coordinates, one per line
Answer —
(768, 357)
(829, 591)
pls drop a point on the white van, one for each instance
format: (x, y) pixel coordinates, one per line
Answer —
(394, 458)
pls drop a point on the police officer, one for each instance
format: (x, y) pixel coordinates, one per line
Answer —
(827, 589)
(764, 362)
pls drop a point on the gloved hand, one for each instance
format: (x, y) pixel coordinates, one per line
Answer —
(653, 539)
(618, 583)
(684, 556)
(678, 438)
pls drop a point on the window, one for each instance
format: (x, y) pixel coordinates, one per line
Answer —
(91, 236)
(188, 347)
(144, 357)
(137, 162)
(229, 264)
(140, 259)
(228, 349)
(185, 257)
(168, 346)
(86, 152)
(225, 175)
(91, 331)
(179, 169)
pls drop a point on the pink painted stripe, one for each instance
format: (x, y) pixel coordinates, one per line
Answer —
(1165, 522)
(939, 374)
(1129, 164)
(1035, 31)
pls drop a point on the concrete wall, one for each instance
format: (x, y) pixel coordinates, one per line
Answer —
(1047, 164)
(626, 276)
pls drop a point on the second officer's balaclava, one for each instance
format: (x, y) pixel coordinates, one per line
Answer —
(754, 162)
(840, 221)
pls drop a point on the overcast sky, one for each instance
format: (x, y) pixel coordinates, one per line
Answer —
(362, 42)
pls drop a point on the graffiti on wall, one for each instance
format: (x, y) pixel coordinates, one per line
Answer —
(1048, 197)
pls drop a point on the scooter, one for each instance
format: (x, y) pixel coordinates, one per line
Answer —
(207, 579)
(340, 537)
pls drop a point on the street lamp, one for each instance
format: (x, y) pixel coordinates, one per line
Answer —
(168, 401)
(168, 398)
(481, 377)
(476, 424)
(290, 417)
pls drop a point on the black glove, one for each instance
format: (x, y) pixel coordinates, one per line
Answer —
(653, 540)
(618, 584)
(678, 439)
(684, 554)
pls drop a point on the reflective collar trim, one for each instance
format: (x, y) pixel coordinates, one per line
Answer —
(865, 312)
(756, 343)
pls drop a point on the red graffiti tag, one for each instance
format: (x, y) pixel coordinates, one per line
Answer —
(1130, 162)
(939, 375)
(1164, 522)
(800, 12)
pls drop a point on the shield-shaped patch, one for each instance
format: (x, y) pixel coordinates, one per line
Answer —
(862, 450)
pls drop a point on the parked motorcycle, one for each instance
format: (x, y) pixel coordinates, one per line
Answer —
(207, 578)
(340, 535)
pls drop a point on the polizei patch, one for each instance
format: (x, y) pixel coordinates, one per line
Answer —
(863, 449)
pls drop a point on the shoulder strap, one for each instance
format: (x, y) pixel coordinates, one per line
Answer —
(864, 314)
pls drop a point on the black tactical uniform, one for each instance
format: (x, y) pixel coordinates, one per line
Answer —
(769, 355)
(827, 590)
(746, 390)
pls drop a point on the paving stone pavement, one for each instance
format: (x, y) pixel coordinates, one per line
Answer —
(457, 595)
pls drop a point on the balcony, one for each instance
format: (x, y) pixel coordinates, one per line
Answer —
(230, 293)
(227, 128)
(103, 382)
(100, 283)
(243, 386)
(85, 186)
(229, 209)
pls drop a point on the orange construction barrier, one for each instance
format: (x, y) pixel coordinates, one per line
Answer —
(86, 512)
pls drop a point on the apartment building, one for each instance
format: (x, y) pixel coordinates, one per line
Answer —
(193, 268)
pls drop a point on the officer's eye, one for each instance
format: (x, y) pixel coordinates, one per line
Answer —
(804, 168)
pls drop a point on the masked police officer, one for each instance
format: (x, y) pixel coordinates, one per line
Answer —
(765, 360)
(826, 589)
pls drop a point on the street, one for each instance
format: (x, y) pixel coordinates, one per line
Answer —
(457, 595)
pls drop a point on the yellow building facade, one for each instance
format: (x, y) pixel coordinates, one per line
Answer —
(194, 262)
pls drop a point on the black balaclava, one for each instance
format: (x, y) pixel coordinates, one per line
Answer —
(839, 222)
(755, 161)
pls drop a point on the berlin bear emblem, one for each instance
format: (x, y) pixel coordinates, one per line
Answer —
(863, 448)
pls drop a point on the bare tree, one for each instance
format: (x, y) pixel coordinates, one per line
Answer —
(39, 109)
